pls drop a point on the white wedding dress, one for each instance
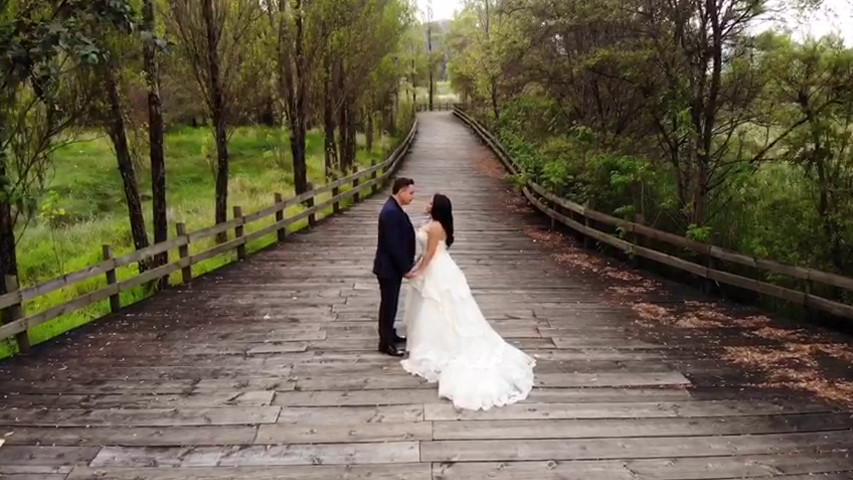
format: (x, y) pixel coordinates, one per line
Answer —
(450, 341)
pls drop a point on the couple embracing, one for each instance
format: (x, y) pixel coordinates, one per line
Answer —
(449, 340)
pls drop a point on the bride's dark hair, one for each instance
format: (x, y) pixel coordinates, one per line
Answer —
(442, 212)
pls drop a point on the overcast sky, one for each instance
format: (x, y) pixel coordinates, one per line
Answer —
(834, 16)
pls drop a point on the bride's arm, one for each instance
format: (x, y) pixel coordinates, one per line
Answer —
(433, 237)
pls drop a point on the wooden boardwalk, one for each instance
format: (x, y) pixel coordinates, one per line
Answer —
(268, 369)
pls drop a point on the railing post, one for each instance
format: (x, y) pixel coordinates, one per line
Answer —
(709, 285)
(554, 207)
(16, 312)
(238, 232)
(809, 312)
(374, 176)
(184, 253)
(279, 217)
(336, 207)
(312, 218)
(355, 183)
(587, 241)
(115, 299)
(639, 219)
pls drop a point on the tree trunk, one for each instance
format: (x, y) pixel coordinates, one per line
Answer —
(118, 136)
(218, 111)
(351, 135)
(414, 90)
(331, 154)
(155, 137)
(392, 127)
(494, 92)
(343, 121)
(297, 116)
(369, 131)
(8, 256)
(429, 65)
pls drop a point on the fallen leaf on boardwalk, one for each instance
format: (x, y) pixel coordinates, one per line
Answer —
(623, 275)
(490, 167)
(766, 357)
(797, 366)
(629, 290)
(753, 321)
(518, 205)
(694, 320)
(653, 312)
(547, 237)
(579, 260)
(834, 391)
(778, 334)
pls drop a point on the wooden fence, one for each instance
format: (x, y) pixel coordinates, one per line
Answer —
(436, 106)
(584, 221)
(17, 324)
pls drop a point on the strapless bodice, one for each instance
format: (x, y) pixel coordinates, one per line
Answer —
(423, 239)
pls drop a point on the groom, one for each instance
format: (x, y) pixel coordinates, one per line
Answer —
(395, 258)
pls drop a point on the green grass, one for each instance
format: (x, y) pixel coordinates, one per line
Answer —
(85, 199)
(443, 94)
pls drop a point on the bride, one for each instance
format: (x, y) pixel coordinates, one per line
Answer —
(449, 340)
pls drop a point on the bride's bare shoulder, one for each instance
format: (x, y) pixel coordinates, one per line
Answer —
(434, 228)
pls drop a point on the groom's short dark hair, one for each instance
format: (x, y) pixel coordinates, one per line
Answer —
(400, 184)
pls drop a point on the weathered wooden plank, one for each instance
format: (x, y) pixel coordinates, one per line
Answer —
(403, 396)
(139, 417)
(323, 398)
(349, 415)
(811, 466)
(133, 436)
(611, 379)
(15, 455)
(618, 448)
(319, 454)
(705, 468)
(349, 382)
(550, 470)
(11, 472)
(696, 408)
(342, 432)
(638, 427)
(401, 471)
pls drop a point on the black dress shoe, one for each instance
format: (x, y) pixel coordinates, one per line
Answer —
(398, 339)
(391, 350)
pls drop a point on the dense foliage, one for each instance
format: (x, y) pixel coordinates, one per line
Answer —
(681, 114)
(135, 69)
(119, 118)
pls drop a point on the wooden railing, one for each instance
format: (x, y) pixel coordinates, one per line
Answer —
(17, 324)
(584, 221)
(436, 106)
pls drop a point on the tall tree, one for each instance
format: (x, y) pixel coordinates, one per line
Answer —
(361, 54)
(292, 68)
(214, 37)
(115, 125)
(155, 127)
(430, 54)
(213, 30)
(813, 83)
(40, 42)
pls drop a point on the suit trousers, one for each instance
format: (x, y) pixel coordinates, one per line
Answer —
(389, 289)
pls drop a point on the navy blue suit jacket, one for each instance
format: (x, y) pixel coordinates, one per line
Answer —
(395, 249)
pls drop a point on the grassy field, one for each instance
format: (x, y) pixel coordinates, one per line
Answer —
(84, 207)
(443, 94)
